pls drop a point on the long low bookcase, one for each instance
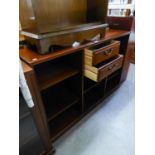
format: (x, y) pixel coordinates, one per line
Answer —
(62, 93)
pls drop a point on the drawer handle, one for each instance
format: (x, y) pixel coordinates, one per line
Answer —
(112, 67)
(108, 52)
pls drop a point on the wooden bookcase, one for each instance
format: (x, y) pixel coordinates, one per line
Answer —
(60, 90)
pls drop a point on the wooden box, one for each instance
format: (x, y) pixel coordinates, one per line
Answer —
(62, 22)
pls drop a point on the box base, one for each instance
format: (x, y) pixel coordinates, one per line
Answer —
(44, 43)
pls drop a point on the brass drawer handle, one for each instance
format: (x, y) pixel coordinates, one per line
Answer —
(112, 67)
(108, 52)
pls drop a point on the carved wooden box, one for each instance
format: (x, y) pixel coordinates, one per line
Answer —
(46, 23)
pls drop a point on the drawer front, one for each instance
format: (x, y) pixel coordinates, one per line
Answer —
(99, 73)
(110, 68)
(106, 52)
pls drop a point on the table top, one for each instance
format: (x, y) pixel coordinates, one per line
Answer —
(33, 58)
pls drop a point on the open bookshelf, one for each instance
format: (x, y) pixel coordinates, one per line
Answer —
(94, 94)
(121, 8)
(60, 87)
(57, 99)
(65, 95)
(50, 76)
(58, 70)
(63, 122)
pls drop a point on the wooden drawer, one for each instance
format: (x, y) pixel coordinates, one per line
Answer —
(98, 73)
(99, 53)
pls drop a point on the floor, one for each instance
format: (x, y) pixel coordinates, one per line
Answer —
(108, 129)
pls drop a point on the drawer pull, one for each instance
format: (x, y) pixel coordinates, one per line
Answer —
(108, 52)
(99, 53)
(112, 67)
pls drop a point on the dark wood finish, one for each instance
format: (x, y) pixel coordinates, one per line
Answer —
(37, 111)
(26, 68)
(131, 46)
(37, 15)
(54, 104)
(60, 108)
(105, 53)
(99, 72)
(45, 42)
(63, 122)
(33, 58)
(94, 94)
(123, 23)
(89, 84)
(66, 22)
(126, 53)
(111, 67)
(102, 52)
(112, 82)
(132, 58)
(63, 13)
(98, 94)
(27, 15)
(71, 97)
(51, 76)
(97, 10)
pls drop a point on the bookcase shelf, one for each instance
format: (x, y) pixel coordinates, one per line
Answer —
(89, 84)
(94, 94)
(57, 99)
(50, 76)
(59, 125)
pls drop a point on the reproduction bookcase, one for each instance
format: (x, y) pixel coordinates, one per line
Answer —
(63, 86)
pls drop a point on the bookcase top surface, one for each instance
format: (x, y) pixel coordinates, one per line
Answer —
(33, 58)
(26, 68)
